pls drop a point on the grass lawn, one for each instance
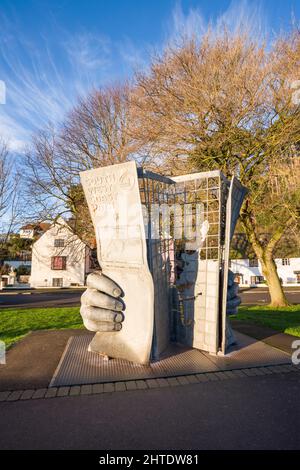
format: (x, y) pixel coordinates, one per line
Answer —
(283, 319)
(16, 323)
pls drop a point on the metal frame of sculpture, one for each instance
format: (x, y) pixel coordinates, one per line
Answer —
(173, 286)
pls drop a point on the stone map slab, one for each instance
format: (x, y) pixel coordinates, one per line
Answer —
(113, 198)
(79, 366)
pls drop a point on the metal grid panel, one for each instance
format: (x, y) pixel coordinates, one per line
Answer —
(186, 275)
(79, 366)
(160, 255)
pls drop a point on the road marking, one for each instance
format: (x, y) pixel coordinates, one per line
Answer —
(251, 303)
(266, 292)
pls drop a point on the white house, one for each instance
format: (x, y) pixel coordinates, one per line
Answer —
(249, 273)
(30, 231)
(59, 259)
(27, 231)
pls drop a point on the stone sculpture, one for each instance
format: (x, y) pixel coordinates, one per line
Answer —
(144, 295)
(125, 283)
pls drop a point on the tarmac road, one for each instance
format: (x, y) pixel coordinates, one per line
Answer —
(260, 295)
(71, 297)
(38, 298)
(261, 412)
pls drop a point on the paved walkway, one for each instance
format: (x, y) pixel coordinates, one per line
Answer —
(32, 361)
(269, 336)
(253, 408)
(129, 385)
(249, 412)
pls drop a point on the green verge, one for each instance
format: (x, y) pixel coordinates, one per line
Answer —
(283, 319)
(16, 323)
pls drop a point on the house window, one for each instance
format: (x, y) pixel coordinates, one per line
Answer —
(285, 261)
(253, 263)
(239, 278)
(58, 262)
(59, 242)
(57, 282)
(257, 279)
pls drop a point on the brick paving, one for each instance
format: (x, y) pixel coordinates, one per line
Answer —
(127, 386)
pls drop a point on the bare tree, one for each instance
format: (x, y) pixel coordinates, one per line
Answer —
(5, 183)
(96, 131)
(94, 134)
(225, 101)
(10, 201)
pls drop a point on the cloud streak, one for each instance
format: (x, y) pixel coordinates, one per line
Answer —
(240, 16)
(43, 81)
(45, 78)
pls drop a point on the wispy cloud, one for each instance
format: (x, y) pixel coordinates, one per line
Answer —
(132, 55)
(44, 80)
(45, 77)
(247, 16)
(89, 51)
(186, 24)
(241, 15)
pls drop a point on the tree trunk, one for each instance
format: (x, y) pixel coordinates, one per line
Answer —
(265, 256)
(269, 269)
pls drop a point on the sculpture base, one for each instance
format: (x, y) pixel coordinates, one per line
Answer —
(79, 366)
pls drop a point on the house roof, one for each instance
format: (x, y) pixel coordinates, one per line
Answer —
(36, 226)
(27, 227)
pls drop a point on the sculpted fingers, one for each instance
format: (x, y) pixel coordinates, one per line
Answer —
(232, 305)
(101, 309)
(100, 314)
(100, 319)
(232, 291)
(230, 277)
(233, 300)
(94, 298)
(101, 326)
(102, 283)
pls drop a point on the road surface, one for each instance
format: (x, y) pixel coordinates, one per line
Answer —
(261, 412)
(56, 298)
(260, 295)
(71, 297)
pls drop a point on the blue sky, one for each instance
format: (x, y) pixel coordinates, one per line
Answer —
(51, 52)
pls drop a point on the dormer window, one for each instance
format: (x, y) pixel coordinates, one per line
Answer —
(59, 242)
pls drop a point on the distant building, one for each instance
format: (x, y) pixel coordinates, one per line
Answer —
(33, 230)
(16, 263)
(60, 259)
(7, 279)
(248, 272)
